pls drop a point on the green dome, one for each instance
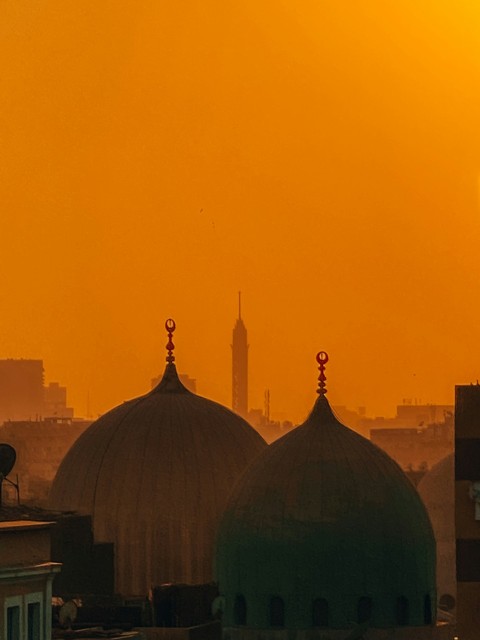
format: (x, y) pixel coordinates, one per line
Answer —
(324, 529)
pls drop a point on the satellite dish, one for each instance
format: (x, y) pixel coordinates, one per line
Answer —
(8, 456)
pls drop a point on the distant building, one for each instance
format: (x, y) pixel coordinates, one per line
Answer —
(467, 509)
(409, 415)
(240, 365)
(270, 430)
(23, 395)
(55, 402)
(417, 437)
(40, 446)
(419, 447)
(21, 389)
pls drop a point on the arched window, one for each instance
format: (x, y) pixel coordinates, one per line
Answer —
(240, 610)
(364, 609)
(277, 612)
(427, 610)
(320, 613)
(402, 611)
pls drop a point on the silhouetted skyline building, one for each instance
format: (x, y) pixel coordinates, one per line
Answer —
(55, 402)
(41, 445)
(467, 508)
(24, 396)
(240, 365)
(21, 389)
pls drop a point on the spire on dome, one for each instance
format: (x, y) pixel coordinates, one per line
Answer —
(170, 382)
(170, 327)
(322, 359)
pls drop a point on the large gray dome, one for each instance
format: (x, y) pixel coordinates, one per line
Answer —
(155, 473)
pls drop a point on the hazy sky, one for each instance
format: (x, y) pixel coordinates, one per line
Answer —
(321, 156)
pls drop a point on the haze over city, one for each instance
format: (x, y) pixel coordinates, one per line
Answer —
(322, 158)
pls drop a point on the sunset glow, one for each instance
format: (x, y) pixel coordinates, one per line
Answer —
(323, 158)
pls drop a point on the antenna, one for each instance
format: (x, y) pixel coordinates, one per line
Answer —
(267, 404)
(8, 456)
(239, 305)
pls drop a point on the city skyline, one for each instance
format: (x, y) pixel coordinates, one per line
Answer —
(324, 159)
(238, 359)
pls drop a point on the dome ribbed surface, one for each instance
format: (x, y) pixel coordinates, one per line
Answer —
(155, 473)
(324, 514)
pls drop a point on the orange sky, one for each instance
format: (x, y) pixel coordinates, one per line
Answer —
(323, 157)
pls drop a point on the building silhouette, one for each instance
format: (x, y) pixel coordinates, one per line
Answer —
(41, 446)
(21, 389)
(467, 509)
(25, 397)
(240, 365)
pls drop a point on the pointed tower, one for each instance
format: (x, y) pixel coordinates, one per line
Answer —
(240, 364)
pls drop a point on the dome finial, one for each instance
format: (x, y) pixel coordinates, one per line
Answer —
(322, 359)
(170, 327)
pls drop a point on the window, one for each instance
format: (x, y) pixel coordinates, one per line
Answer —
(402, 611)
(13, 618)
(33, 621)
(364, 609)
(240, 611)
(34, 616)
(13, 623)
(277, 612)
(320, 613)
(24, 617)
(427, 610)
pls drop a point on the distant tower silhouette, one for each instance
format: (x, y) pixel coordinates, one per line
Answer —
(240, 364)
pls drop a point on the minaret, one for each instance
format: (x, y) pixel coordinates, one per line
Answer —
(240, 364)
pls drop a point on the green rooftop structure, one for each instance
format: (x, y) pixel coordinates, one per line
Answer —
(325, 531)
